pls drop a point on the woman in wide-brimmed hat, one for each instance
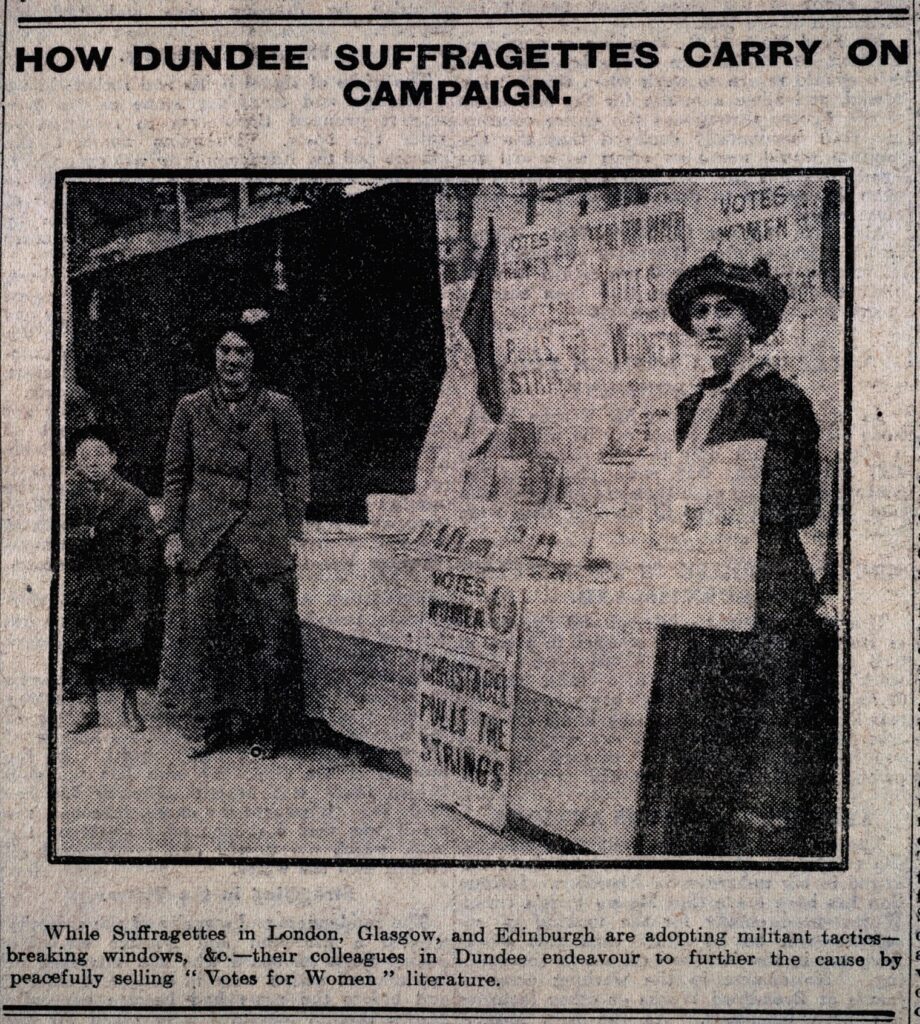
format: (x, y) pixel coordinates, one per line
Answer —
(726, 754)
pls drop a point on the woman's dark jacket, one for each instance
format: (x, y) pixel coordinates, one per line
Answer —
(762, 404)
(731, 765)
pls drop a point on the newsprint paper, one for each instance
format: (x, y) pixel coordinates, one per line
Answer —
(459, 505)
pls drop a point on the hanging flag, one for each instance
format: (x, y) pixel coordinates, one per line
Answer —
(479, 327)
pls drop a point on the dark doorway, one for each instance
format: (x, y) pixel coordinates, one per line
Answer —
(353, 291)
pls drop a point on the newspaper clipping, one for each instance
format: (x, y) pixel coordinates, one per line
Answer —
(459, 511)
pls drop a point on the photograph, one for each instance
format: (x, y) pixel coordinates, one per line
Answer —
(462, 518)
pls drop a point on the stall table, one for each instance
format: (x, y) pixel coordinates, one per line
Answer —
(582, 696)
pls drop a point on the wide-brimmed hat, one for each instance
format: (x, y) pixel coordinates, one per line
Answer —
(759, 293)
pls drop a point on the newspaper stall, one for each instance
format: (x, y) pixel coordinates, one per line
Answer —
(554, 475)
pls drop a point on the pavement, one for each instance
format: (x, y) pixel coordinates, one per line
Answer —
(127, 794)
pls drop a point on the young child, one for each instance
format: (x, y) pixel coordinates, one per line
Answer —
(110, 553)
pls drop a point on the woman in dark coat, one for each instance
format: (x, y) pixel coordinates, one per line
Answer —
(236, 488)
(729, 759)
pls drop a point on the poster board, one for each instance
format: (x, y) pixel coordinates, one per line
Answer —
(683, 537)
(465, 687)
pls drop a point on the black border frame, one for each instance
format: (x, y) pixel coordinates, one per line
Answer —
(839, 863)
(544, 1015)
(586, 1015)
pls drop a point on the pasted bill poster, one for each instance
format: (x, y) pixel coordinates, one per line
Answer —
(459, 535)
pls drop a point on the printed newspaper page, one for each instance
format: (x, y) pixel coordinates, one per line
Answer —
(459, 520)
